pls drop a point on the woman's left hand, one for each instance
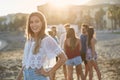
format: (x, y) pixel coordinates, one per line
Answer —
(42, 71)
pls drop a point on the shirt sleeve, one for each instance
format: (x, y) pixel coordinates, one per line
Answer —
(51, 47)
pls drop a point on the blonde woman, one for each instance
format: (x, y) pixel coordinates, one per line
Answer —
(72, 47)
(39, 49)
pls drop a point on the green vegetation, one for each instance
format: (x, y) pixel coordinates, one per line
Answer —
(13, 22)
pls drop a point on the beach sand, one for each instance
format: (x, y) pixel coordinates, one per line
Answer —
(108, 49)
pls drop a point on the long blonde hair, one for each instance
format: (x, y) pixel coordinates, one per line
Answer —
(41, 34)
(72, 36)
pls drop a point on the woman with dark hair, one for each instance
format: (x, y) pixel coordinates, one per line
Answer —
(72, 47)
(39, 49)
(91, 55)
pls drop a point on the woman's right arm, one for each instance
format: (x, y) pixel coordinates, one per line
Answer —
(53, 50)
(62, 58)
(20, 74)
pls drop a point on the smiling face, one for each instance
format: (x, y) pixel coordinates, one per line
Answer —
(35, 29)
(35, 24)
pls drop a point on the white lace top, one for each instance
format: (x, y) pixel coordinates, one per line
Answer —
(48, 49)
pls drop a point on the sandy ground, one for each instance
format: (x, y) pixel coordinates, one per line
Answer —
(108, 49)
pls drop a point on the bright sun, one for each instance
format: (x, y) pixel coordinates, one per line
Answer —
(79, 2)
(58, 3)
(63, 3)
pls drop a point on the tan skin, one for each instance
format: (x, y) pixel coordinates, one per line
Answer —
(20, 74)
(91, 62)
(35, 25)
(94, 63)
(78, 67)
(53, 70)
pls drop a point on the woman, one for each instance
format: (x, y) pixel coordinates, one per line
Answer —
(39, 49)
(91, 55)
(72, 48)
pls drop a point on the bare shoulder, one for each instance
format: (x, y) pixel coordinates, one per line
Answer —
(66, 41)
(93, 40)
(78, 40)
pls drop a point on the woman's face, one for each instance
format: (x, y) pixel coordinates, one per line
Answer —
(35, 24)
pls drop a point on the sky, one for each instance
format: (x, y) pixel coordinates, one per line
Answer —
(28, 6)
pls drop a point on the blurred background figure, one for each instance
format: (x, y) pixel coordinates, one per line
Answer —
(91, 55)
(62, 39)
(72, 47)
(54, 33)
(83, 39)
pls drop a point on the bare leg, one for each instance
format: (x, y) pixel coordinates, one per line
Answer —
(69, 72)
(65, 71)
(86, 70)
(97, 70)
(77, 73)
(79, 69)
(90, 70)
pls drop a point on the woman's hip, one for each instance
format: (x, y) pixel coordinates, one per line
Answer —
(30, 74)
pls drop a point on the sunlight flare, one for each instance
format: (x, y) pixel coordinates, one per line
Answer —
(58, 3)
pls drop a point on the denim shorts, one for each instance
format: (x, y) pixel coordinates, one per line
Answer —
(29, 74)
(74, 61)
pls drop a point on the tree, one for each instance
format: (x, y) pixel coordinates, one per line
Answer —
(118, 17)
(112, 15)
(99, 18)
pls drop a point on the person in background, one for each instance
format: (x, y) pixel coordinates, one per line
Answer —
(50, 33)
(63, 36)
(91, 55)
(53, 34)
(72, 47)
(39, 49)
(54, 31)
(62, 39)
(83, 39)
(52, 61)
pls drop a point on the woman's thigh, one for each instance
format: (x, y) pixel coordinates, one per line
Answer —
(69, 70)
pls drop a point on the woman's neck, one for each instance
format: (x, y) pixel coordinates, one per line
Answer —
(35, 36)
